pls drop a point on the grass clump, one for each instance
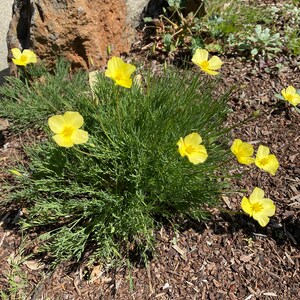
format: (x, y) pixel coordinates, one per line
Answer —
(108, 195)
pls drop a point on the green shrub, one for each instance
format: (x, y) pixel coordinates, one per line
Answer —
(110, 194)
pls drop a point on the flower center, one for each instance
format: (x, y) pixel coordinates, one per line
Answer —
(204, 64)
(264, 161)
(118, 76)
(190, 149)
(256, 207)
(67, 132)
(290, 97)
(23, 58)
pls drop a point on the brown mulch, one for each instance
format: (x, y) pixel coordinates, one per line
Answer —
(229, 257)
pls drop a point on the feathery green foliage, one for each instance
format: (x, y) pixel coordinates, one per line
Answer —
(109, 194)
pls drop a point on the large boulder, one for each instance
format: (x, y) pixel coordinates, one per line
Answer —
(79, 30)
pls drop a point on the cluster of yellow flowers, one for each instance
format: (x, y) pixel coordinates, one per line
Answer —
(256, 206)
(68, 133)
(264, 160)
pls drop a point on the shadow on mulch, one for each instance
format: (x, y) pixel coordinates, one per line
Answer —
(282, 233)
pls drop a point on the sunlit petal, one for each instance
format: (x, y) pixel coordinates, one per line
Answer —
(215, 63)
(56, 123)
(200, 56)
(193, 139)
(262, 151)
(79, 136)
(31, 57)
(16, 53)
(246, 206)
(73, 119)
(256, 195)
(198, 156)
(62, 141)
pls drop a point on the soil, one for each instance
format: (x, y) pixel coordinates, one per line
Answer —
(228, 257)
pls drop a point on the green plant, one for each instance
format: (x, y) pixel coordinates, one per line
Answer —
(264, 42)
(291, 15)
(109, 195)
(17, 282)
(261, 41)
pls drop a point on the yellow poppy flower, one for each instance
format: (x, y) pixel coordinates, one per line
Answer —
(120, 72)
(190, 147)
(200, 59)
(243, 152)
(23, 58)
(266, 161)
(258, 207)
(290, 94)
(66, 129)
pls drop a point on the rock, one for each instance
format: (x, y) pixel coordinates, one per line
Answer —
(79, 30)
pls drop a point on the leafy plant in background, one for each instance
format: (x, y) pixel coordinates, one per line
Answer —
(180, 31)
(118, 172)
(230, 26)
(291, 15)
(262, 42)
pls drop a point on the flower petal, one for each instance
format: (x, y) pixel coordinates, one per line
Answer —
(262, 152)
(200, 56)
(215, 63)
(261, 218)
(210, 72)
(246, 206)
(127, 69)
(19, 62)
(181, 147)
(192, 139)
(16, 53)
(73, 119)
(296, 100)
(56, 123)
(257, 195)
(245, 160)
(62, 141)
(124, 82)
(112, 66)
(269, 207)
(290, 90)
(31, 57)
(198, 156)
(272, 164)
(235, 147)
(79, 136)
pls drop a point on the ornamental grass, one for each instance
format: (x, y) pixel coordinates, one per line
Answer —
(105, 188)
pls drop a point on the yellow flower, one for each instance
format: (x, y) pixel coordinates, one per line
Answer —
(200, 58)
(66, 129)
(290, 94)
(258, 207)
(266, 161)
(189, 146)
(23, 58)
(120, 72)
(243, 152)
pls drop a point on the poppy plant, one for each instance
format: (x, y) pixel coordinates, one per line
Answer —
(243, 152)
(265, 161)
(190, 147)
(258, 207)
(120, 72)
(23, 58)
(66, 129)
(200, 58)
(290, 94)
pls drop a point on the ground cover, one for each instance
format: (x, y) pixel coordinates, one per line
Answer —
(228, 257)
